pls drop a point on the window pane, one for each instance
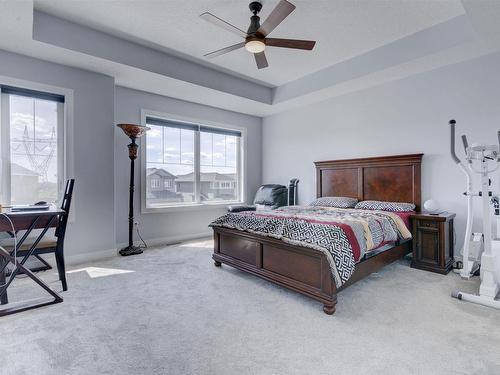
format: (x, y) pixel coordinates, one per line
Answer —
(219, 174)
(231, 149)
(187, 147)
(205, 148)
(170, 166)
(219, 147)
(172, 145)
(154, 139)
(33, 149)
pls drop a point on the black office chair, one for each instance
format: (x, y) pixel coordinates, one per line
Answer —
(270, 196)
(55, 245)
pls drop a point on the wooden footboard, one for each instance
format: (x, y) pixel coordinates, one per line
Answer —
(301, 269)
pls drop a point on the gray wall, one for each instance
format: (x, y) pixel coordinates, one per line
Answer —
(405, 116)
(93, 229)
(100, 157)
(173, 226)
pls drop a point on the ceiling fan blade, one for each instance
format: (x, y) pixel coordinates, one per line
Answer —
(290, 43)
(207, 16)
(282, 10)
(260, 59)
(225, 50)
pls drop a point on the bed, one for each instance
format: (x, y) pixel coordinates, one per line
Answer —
(320, 262)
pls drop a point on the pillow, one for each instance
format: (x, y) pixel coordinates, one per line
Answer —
(386, 206)
(338, 202)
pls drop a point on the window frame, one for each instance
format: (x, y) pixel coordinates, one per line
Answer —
(64, 138)
(199, 205)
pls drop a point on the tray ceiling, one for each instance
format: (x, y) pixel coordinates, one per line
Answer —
(343, 29)
(158, 46)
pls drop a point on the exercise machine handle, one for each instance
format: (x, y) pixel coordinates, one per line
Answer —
(452, 143)
(498, 134)
(464, 141)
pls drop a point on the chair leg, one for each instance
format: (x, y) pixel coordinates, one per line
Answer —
(61, 268)
(3, 299)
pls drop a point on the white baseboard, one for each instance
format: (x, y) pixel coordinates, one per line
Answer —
(164, 241)
(76, 259)
(175, 239)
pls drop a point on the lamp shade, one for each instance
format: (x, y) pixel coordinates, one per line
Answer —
(431, 206)
(133, 130)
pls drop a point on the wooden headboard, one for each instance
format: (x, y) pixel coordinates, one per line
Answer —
(385, 178)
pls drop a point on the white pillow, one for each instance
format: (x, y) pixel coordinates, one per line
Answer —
(386, 206)
(338, 202)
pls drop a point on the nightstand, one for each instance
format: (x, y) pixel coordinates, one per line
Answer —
(433, 241)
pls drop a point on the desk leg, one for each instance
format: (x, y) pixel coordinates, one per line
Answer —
(4, 299)
(31, 304)
(19, 267)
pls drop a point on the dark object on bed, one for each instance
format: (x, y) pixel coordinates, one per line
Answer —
(241, 208)
(305, 270)
(270, 195)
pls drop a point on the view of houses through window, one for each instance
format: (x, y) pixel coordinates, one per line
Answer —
(172, 178)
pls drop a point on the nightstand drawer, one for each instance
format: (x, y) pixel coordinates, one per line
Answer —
(428, 224)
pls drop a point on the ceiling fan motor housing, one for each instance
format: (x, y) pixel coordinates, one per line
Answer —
(255, 7)
(252, 38)
(254, 25)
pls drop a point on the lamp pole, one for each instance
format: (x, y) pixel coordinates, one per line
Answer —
(133, 132)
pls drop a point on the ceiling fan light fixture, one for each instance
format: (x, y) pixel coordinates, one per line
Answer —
(255, 46)
(256, 38)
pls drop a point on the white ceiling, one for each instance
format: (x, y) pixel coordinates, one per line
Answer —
(357, 54)
(342, 28)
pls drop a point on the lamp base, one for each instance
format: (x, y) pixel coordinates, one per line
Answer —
(130, 250)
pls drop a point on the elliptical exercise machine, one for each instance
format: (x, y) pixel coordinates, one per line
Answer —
(483, 160)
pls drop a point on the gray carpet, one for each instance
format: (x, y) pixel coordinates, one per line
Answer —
(178, 314)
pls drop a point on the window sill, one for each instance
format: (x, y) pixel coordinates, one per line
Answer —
(188, 207)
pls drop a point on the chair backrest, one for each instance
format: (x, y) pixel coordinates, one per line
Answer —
(68, 194)
(271, 195)
(65, 205)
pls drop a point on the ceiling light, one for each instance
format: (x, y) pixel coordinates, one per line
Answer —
(255, 46)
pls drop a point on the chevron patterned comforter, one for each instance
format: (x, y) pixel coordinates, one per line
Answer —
(343, 235)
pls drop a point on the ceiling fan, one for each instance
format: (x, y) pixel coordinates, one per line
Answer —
(256, 38)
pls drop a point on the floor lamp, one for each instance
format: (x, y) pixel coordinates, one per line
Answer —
(133, 132)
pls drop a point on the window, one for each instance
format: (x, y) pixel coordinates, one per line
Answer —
(199, 164)
(32, 125)
(227, 185)
(219, 154)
